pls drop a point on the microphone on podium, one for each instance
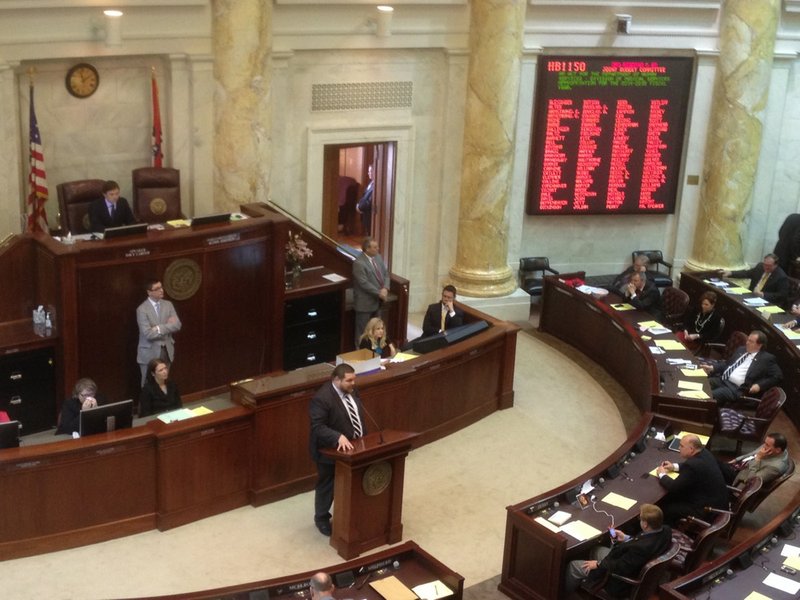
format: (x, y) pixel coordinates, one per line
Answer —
(371, 418)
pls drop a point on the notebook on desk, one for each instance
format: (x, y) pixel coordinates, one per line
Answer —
(675, 444)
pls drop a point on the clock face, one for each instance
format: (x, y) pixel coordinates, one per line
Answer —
(82, 80)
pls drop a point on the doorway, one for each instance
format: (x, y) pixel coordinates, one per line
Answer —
(358, 194)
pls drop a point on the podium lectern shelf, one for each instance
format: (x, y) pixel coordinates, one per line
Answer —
(368, 492)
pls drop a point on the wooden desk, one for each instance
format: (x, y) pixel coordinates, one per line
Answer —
(534, 558)
(408, 562)
(713, 574)
(478, 374)
(611, 339)
(739, 317)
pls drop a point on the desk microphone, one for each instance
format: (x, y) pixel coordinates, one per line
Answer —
(601, 483)
(371, 418)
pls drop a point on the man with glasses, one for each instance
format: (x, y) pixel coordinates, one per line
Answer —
(157, 322)
(767, 280)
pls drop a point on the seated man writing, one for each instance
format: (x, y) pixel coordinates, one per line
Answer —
(769, 461)
(699, 482)
(626, 556)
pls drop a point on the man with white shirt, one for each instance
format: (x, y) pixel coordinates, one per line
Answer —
(337, 419)
(370, 285)
(751, 371)
(157, 321)
(443, 315)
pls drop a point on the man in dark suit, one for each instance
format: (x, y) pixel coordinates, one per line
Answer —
(767, 280)
(443, 315)
(626, 556)
(751, 371)
(370, 285)
(336, 419)
(110, 210)
(699, 483)
(364, 204)
(643, 294)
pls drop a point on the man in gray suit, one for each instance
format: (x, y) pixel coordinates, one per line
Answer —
(157, 321)
(370, 285)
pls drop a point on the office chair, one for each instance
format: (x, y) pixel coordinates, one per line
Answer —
(654, 273)
(674, 302)
(156, 194)
(74, 198)
(740, 422)
(528, 269)
(697, 539)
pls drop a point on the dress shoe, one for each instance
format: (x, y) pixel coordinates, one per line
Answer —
(324, 527)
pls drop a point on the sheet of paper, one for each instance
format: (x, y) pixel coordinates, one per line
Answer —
(789, 550)
(794, 562)
(659, 330)
(646, 338)
(199, 411)
(622, 306)
(560, 517)
(432, 590)
(755, 302)
(547, 524)
(717, 283)
(670, 345)
(176, 415)
(789, 333)
(403, 356)
(757, 596)
(334, 277)
(587, 486)
(772, 310)
(737, 290)
(671, 474)
(689, 385)
(782, 583)
(694, 394)
(703, 438)
(648, 324)
(392, 588)
(694, 373)
(615, 499)
(580, 531)
(179, 223)
(656, 350)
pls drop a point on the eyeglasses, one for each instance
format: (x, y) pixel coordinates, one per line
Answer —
(86, 393)
(156, 289)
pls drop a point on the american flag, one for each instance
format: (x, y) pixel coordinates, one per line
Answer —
(37, 179)
(156, 139)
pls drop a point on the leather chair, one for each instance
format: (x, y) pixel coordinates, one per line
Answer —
(740, 422)
(743, 499)
(674, 302)
(697, 539)
(718, 350)
(768, 488)
(654, 272)
(644, 586)
(74, 198)
(156, 194)
(531, 273)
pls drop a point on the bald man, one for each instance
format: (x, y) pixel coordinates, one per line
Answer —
(321, 586)
(699, 482)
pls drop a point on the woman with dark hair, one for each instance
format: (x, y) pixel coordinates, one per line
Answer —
(704, 325)
(159, 393)
(83, 397)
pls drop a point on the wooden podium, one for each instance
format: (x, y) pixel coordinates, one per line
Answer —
(368, 492)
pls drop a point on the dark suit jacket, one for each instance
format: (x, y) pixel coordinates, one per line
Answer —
(153, 401)
(628, 558)
(649, 299)
(699, 483)
(329, 419)
(764, 369)
(433, 319)
(776, 290)
(99, 218)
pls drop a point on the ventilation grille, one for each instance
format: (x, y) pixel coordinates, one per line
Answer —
(361, 96)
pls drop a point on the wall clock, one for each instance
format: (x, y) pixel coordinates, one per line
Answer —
(82, 80)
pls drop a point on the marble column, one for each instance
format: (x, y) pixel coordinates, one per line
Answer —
(242, 31)
(747, 43)
(481, 267)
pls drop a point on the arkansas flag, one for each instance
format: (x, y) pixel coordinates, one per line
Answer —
(156, 139)
(37, 179)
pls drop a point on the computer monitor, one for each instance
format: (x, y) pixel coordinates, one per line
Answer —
(108, 417)
(124, 230)
(205, 220)
(9, 434)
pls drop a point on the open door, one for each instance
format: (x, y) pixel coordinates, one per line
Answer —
(348, 171)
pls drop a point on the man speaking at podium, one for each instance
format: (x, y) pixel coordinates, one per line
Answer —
(337, 417)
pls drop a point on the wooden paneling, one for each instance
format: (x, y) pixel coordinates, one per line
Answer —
(16, 258)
